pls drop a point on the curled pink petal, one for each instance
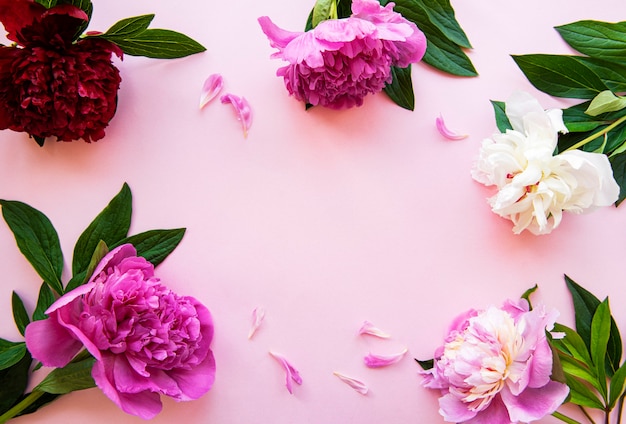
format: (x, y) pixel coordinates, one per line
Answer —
(291, 374)
(242, 107)
(258, 314)
(372, 330)
(357, 385)
(377, 361)
(210, 89)
(444, 131)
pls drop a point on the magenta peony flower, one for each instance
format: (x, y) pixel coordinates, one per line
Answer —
(340, 61)
(50, 85)
(146, 339)
(495, 367)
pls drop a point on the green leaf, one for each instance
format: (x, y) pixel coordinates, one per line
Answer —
(344, 8)
(585, 305)
(323, 10)
(442, 15)
(37, 240)
(578, 369)
(572, 343)
(11, 353)
(612, 74)
(605, 102)
(527, 293)
(130, 26)
(39, 140)
(13, 382)
(441, 52)
(155, 245)
(84, 276)
(600, 333)
(44, 300)
(156, 43)
(581, 394)
(502, 121)
(616, 387)
(110, 226)
(401, 88)
(426, 365)
(597, 39)
(47, 3)
(74, 376)
(560, 76)
(20, 316)
(618, 163)
(576, 120)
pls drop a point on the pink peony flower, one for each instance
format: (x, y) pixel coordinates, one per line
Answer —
(50, 85)
(146, 339)
(340, 61)
(495, 367)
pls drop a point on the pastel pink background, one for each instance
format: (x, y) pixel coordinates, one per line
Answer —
(324, 218)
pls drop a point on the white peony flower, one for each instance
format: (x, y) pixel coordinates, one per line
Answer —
(534, 185)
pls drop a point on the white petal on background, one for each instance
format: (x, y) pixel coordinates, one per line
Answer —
(372, 330)
(357, 385)
(258, 315)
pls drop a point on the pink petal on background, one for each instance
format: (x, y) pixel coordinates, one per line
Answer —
(444, 131)
(290, 371)
(242, 107)
(377, 361)
(258, 314)
(357, 385)
(210, 89)
(369, 328)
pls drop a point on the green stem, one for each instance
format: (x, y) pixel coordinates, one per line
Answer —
(564, 418)
(596, 135)
(584, 412)
(25, 403)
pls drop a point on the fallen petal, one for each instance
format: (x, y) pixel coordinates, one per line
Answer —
(210, 89)
(357, 385)
(369, 328)
(290, 371)
(242, 107)
(444, 131)
(377, 361)
(258, 314)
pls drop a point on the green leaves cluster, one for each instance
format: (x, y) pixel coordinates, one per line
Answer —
(39, 243)
(445, 38)
(591, 354)
(133, 36)
(598, 76)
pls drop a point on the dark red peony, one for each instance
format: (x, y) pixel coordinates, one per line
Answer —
(51, 85)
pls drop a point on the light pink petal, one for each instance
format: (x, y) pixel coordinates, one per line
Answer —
(357, 385)
(242, 107)
(369, 328)
(290, 371)
(211, 88)
(534, 404)
(444, 131)
(377, 361)
(258, 314)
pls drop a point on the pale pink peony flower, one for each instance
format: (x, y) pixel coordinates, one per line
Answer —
(146, 339)
(340, 61)
(535, 186)
(495, 367)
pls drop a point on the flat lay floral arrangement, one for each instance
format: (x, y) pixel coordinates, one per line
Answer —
(115, 326)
